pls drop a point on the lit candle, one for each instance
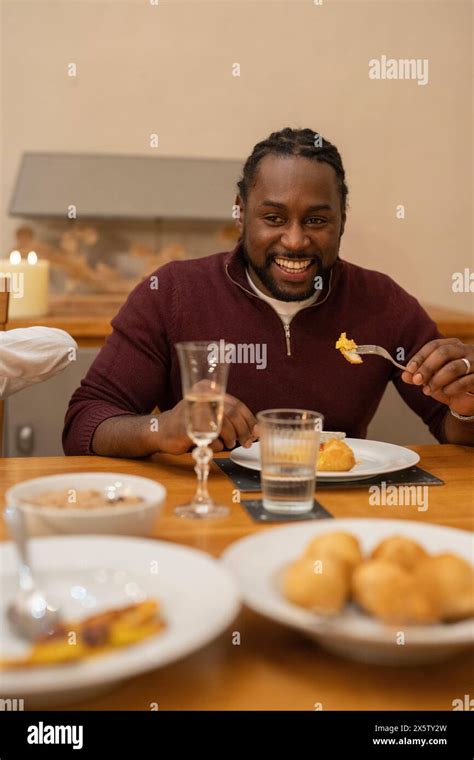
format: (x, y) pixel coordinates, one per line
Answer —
(27, 281)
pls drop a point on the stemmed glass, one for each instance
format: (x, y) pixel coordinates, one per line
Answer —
(204, 379)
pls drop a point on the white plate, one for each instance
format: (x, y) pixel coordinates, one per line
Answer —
(257, 563)
(197, 596)
(373, 458)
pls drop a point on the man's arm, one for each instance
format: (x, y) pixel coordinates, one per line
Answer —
(433, 361)
(111, 413)
(137, 436)
(125, 436)
(127, 380)
(442, 370)
(458, 431)
(142, 436)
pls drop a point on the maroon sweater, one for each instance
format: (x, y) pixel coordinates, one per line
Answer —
(210, 299)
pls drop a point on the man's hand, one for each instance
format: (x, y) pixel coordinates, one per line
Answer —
(237, 425)
(439, 367)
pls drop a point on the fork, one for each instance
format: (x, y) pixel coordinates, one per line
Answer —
(379, 351)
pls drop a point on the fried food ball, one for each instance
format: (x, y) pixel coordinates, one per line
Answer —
(449, 581)
(335, 455)
(338, 545)
(400, 550)
(321, 587)
(391, 593)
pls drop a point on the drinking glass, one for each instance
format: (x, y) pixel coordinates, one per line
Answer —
(289, 446)
(204, 374)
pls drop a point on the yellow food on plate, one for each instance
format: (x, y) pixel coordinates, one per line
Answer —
(392, 593)
(346, 347)
(400, 583)
(449, 581)
(94, 635)
(319, 586)
(338, 545)
(400, 550)
(335, 456)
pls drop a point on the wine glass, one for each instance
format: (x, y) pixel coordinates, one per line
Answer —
(204, 374)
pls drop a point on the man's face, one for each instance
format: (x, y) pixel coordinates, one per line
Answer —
(292, 218)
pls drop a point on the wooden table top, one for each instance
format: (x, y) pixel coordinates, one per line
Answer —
(274, 667)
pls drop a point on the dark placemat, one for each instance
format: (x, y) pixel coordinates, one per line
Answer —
(241, 477)
(249, 480)
(411, 476)
(257, 512)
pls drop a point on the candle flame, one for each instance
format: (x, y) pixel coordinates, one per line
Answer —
(15, 258)
(32, 258)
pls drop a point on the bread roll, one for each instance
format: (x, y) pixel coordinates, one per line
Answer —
(391, 593)
(321, 586)
(400, 550)
(449, 581)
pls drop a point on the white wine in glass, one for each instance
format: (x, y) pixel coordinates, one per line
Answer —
(204, 411)
(204, 381)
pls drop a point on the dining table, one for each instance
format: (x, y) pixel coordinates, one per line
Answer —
(270, 666)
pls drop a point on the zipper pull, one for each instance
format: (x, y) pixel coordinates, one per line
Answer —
(287, 336)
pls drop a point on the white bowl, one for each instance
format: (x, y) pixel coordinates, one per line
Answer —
(131, 520)
(257, 562)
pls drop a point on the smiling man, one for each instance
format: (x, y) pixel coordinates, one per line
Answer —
(285, 288)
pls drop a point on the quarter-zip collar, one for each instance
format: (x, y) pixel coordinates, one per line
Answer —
(235, 270)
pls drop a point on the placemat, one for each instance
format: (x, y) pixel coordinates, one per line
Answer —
(249, 480)
(258, 513)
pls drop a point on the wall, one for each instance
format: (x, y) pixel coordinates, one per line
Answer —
(167, 68)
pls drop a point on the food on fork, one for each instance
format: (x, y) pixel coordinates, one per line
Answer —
(401, 551)
(346, 346)
(97, 634)
(335, 456)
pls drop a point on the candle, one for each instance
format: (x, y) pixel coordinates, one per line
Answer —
(27, 281)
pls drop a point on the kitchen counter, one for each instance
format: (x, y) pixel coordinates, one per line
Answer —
(87, 318)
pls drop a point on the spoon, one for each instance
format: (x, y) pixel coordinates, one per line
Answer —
(31, 614)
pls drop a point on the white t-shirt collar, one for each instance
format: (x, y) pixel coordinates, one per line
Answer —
(286, 310)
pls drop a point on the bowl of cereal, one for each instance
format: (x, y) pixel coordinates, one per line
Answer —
(88, 502)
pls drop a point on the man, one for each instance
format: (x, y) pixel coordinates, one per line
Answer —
(285, 290)
(31, 355)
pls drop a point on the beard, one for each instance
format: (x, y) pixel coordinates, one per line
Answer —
(266, 278)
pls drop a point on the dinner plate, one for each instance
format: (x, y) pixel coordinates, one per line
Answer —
(258, 562)
(372, 457)
(88, 574)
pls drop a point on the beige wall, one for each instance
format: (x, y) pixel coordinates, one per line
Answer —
(167, 69)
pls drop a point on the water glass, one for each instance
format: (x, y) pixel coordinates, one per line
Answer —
(289, 446)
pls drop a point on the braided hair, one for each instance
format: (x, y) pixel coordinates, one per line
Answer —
(294, 142)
